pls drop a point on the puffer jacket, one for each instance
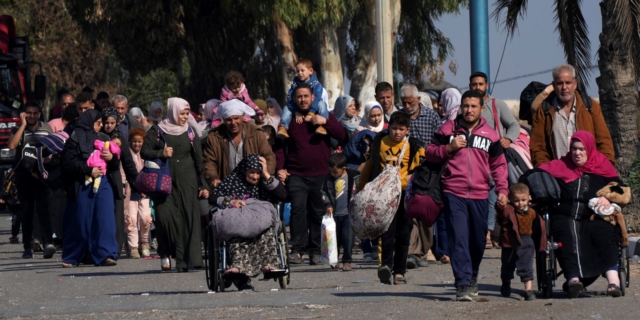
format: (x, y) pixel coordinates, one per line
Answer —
(315, 85)
(469, 169)
(226, 95)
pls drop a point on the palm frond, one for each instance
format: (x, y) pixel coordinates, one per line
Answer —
(574, 37)
(515, 9)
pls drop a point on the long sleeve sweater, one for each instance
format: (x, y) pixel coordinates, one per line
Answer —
(308, 152)
(509, 126)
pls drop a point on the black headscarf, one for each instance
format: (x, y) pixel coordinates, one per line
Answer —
(107, 113)
(85, 133)
(236, 185)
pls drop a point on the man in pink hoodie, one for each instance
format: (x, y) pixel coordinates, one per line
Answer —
(473, 151)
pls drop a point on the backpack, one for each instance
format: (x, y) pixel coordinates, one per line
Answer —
(543, 187)
(531, 91)
(423, 198)
(372, 210)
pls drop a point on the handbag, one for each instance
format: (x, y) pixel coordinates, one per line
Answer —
(372, 210)
(154, 179)
(423, 197)
(9, 189)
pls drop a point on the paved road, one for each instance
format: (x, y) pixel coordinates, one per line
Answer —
(136, 289)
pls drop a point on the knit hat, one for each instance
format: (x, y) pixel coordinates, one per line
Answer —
(262, 105)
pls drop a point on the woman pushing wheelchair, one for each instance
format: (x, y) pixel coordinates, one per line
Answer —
(587, 220)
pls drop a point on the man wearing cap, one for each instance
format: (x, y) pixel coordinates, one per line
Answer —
(232, 140)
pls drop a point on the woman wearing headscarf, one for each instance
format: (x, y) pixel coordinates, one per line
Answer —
(250, 180)
(139, 116)
(155, 112)
(209, 109)
(274, 112)
(372, 119)
(88, 219)
(449, 104)
(589, 243)
(346, 112)
(127, 173)
(178, 215)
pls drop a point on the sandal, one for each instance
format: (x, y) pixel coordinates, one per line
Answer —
(574, 289)
(399, 280)
(67, 265)
(614, 290)
(165, 264)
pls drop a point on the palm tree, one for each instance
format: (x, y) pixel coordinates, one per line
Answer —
(618, 61)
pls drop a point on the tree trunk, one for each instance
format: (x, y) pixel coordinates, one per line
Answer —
(365, 73)
(618, 92)
(330, 63)
(287, 54)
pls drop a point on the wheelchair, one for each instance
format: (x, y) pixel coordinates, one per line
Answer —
(547, 266)
(216, 256)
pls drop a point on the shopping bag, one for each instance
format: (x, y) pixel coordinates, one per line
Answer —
(329, 242)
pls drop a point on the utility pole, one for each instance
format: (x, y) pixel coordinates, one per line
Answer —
(384, 40)
(479, 30)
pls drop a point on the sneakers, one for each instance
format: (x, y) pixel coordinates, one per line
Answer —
(28, 254)
(473, 288)
(367, 257)
(14, 240)
(529, 295)
(134, 254)
(282, 133)
(412, 262)
(505, 289)
(49, 251)
(321, 130)
(463, 294)
(144, 248)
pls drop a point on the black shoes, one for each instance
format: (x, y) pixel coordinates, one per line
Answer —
(28, 254)
(412, 262)
(505, 289)
(529, 295)
(49, 251)
(314, 260)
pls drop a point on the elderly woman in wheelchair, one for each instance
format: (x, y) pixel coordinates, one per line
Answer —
(587, 221)
(248, 257)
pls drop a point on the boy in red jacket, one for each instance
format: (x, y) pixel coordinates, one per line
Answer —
(522, 232)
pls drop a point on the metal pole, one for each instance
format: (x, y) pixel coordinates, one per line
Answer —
(384, 43)
(479, 30)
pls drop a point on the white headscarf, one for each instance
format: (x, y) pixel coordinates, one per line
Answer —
(365, 124)
(424, 98)
(232, 108)
(170, 125)
(274, 120)
(136, 112)
(450, 103)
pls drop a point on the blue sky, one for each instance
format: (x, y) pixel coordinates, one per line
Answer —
(534, 48)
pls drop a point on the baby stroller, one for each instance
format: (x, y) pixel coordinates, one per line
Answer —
(545, 192)
(216, 255)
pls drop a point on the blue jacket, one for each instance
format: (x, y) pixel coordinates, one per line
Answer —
(315, 85)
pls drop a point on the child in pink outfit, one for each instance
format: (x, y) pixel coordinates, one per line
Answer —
(138, 218)
(235, 89)
(94, 161)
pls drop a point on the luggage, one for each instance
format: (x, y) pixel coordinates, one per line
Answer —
(246, 222)
(423, 198)
(543, 187)
(372, 210)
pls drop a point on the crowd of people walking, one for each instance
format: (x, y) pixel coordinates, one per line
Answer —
(229, 151)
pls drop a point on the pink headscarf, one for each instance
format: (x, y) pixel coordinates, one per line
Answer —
(597, 163)
(170, 125)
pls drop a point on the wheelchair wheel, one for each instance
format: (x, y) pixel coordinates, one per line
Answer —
(209, 265)
(217, 262)
(623, 270)
(547, 289)
(541, 269)
(283, 239)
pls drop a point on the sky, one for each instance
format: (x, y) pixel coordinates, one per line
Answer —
(534, 47)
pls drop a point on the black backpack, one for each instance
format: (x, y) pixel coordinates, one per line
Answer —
(543, 187)
(531, 91)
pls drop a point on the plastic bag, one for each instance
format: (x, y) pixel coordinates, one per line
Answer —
(329, 242)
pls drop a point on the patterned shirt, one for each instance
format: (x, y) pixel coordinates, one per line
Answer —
(424, 125)
(563, 129)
